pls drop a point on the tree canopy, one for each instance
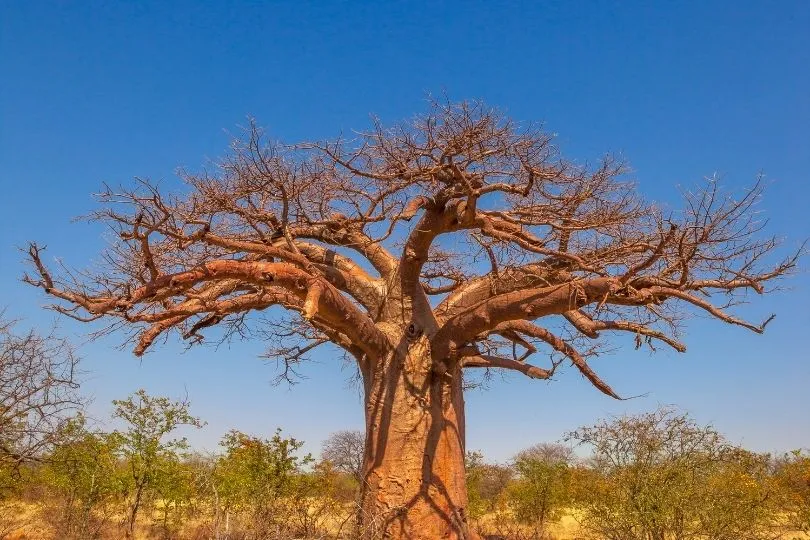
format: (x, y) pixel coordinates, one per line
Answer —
(347, 235)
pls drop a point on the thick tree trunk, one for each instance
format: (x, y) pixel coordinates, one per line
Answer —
(413, 481)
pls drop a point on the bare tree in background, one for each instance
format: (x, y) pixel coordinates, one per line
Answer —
(457, 240)
(345, 450)
(38, 392)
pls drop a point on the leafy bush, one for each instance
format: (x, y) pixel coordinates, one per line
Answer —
(543, 488)
(255, 480)
(146, 447)
(660, 475)
(86, 479)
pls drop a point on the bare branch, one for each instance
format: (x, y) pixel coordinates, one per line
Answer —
(591, 328)
(558, 344)
(488, 361)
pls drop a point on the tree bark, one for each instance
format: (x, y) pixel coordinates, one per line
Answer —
(413, 472)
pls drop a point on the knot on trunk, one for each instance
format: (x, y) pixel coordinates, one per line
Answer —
(413, 331)
(411, 255)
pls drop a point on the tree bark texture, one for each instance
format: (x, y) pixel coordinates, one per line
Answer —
(413, 481)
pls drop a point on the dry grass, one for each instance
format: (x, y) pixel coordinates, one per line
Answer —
(26, 521)
(23, 521)
(569, 528)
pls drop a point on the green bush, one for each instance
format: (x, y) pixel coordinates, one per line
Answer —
(255, 480)
(660, 475)
(542, 490)
(86, 481)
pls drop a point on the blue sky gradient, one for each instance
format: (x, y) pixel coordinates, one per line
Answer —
(94, 92)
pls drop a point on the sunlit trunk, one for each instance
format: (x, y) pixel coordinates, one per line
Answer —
(413, 482)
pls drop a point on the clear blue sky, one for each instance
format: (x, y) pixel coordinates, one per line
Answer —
(105, 91)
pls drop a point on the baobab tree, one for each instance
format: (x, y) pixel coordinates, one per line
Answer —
(458, 240)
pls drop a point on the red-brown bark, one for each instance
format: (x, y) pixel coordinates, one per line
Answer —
(413, 474)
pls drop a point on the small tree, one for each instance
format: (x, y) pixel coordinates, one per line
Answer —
(145, 445)
(543, 488)
(256, 478)
(38, 393)
(486, 484)
(737, 500)
(175, 489)
(660, 475)
(474, 467)
(345, 450)
(83, 473)
(318, 502)
(204, 502)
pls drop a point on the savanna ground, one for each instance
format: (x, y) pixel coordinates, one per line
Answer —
(568, 527)
(656, 476)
